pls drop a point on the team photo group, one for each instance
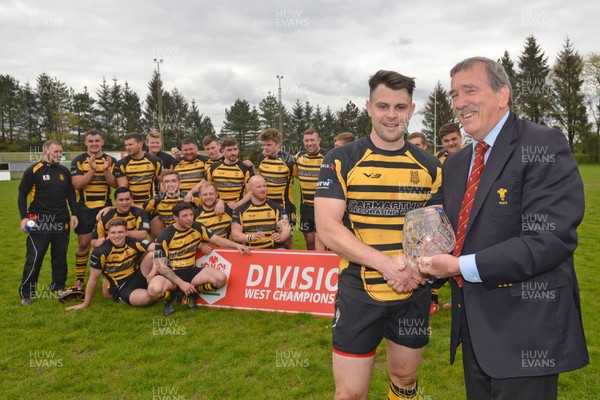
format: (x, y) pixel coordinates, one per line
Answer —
(142, 221)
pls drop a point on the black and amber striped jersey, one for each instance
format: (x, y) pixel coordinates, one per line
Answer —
(118, 263)
(379, 188)
(219, 224)
(140, 175)
(210, 162)
(279, 172)
(442, 155)
(167, 161)
(96, 194)
(162, 204)
(260, 218)
(230, 180)
(308, 174)
(191, 172)
(179, 247)
(49, 189)
(136, 218)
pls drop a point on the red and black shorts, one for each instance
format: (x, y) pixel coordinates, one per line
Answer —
(359, 327)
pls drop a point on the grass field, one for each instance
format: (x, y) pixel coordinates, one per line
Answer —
(111, 351)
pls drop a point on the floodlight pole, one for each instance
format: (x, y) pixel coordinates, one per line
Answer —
(279, 78)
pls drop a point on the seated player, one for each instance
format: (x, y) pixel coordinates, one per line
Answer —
(127, 265)
(175, 259)
(160, 207)
(219, 224)
(260, 222)
(136, 218)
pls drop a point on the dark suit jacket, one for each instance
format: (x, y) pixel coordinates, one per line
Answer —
(525, 318)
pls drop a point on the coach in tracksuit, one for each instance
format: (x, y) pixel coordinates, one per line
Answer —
(46, 220)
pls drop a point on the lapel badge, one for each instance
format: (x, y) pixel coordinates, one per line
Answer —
(502, 193)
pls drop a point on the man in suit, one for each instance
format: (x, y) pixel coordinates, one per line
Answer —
(516, 307)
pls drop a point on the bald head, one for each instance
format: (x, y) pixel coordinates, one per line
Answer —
(257, 187)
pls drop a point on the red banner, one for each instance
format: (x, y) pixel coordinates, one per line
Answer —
(274, 280)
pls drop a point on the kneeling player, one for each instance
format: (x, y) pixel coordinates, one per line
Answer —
(127, 265)
(175, 258)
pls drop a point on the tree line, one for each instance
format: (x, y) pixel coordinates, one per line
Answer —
(565, 95)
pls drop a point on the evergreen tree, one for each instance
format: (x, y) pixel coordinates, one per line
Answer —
(84, 113)
(155, 86)
(268, 111)
(534, 92)
(316, 120)
(348, 117)
(31, 116)
(243, 123)
(107, 120)
(509, 67)
(297, 125)
(329, 128)
(11, 106)
(437, 112)
(363, 123)
(131, 111)
(175, 118)
(55, 105)
(569, 113)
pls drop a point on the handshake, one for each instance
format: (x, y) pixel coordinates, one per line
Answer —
(427, 238)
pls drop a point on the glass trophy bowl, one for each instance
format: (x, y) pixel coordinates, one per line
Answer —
(427, 232)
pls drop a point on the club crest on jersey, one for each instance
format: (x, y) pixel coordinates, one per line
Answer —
(61, 177)
(502, 193)
(414, 177)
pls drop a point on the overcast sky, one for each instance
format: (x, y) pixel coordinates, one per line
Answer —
(218, 51)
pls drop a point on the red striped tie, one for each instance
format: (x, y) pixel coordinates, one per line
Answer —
(467, 203)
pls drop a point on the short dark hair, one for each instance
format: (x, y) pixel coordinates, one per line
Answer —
(93, 132)
(449, 128)
(189, 140)
(180, 206)
(228, 141)
(208, 139)
(310, 131)
(135, 136)
(392, 80)
(121, 189)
